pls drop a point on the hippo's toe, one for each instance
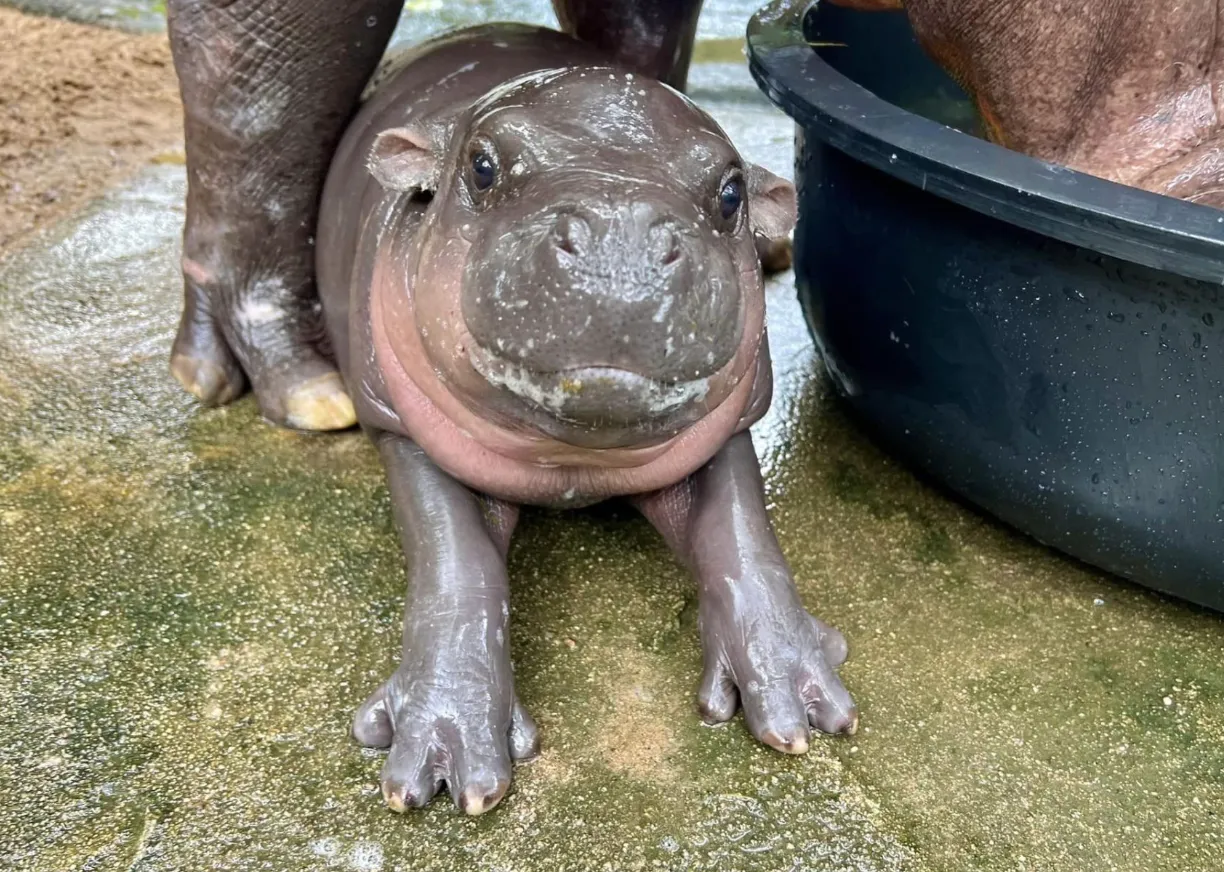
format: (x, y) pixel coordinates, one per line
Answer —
(469, 750)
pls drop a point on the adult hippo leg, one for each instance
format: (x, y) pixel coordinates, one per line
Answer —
(653, 36)
(755, 634)
(449, 713)
(267, 90)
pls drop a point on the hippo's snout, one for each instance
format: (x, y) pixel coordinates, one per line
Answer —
(604, 310)
(574, 235)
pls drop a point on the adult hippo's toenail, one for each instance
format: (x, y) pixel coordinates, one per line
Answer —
(204, 380)
(320, 404)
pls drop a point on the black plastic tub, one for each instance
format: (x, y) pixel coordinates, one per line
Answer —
(1047, 344)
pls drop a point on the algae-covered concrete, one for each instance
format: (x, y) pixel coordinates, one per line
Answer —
(192, 603)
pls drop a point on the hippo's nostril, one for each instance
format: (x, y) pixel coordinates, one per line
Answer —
(664, 244)
(572, 234)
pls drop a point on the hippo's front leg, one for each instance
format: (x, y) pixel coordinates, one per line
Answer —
(449, 713)
(756, 636)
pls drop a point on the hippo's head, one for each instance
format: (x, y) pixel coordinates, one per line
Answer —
(587, 272)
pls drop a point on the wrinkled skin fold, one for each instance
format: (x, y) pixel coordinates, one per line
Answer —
(541, 273)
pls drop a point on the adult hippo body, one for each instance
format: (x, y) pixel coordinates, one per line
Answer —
(541, 277)
(1127, 90)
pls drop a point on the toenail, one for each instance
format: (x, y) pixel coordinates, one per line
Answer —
(394, 801)
(797, 745)
(475, 802)
(320, 404)
(202, 379)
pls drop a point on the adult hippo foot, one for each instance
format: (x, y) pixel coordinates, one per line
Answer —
(448, 718)
(267, 330)
(762, 649)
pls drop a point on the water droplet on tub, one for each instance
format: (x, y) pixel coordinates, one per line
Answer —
(371, 21)
(1208, 319)
(1117, 317)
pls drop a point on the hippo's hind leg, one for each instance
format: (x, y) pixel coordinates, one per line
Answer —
(449, 713)
(760, 645)
(268, 87)
(653, 36)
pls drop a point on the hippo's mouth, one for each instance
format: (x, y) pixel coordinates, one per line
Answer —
(592, 396)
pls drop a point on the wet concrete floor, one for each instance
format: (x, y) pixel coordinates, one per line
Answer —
(192, 603)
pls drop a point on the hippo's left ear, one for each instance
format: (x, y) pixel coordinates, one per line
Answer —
(405, 159)
(772, 207)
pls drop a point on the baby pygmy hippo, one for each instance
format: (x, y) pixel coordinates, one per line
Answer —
(540, 275)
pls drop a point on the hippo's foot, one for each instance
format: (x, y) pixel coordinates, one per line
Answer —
(449, 714)
(455, 721)
(267, 89)
(759, 640)
(268, 332)
(762, 649)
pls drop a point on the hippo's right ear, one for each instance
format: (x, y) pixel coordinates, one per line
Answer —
(405, 159)
(772, 203)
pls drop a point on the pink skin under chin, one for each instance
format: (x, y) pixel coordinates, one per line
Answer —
(492, 459)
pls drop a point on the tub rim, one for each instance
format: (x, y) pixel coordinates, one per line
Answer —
(1113, 219)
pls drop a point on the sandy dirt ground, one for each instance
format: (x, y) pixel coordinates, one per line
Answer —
(80, 109)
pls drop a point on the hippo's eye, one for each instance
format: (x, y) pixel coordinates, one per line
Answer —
(483, 171)
(731, 197)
